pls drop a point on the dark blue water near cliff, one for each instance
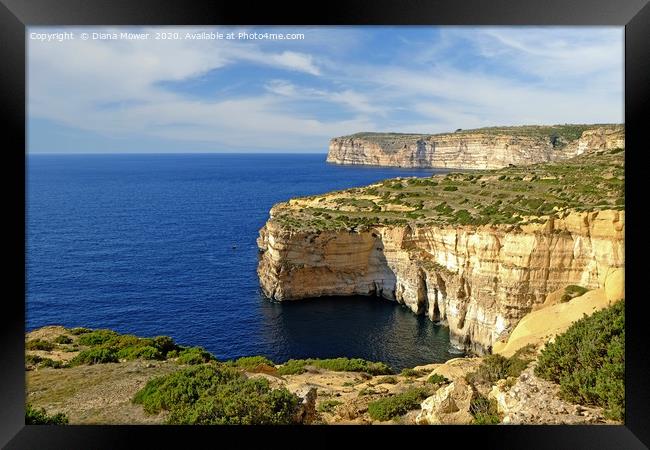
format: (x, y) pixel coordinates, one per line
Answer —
(165, 244)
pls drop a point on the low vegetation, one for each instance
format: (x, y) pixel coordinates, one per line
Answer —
(572, 291)
(62, 339)
(79, 330)
(94, 356)
(496, 367)
(296, 366)
(328, 405)
(39, 344)
(588, 361)
(437, 379)
(388, 380)
(254, 364)
(36, 361)
(211, 394)
(38, 416)
(107, 346)
(484, 410)
(396, 405)
(194, 355)
(413, 373)
(510, 196)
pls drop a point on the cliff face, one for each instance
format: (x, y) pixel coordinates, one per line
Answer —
(479, 149)
(480, 280)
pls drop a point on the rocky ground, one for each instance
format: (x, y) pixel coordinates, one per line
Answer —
(532, 400)
(98, 394)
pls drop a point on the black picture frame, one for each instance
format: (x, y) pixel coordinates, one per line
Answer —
(16, 15)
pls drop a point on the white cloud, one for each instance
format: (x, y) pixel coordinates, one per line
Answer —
(295, 61)
(281, 87)
(568, 52)
(350, 99)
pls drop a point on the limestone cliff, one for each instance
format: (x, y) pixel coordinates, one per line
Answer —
(479, 280)
(486, 148)
(477, 252)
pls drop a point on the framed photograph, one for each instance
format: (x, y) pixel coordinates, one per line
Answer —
(262, 219)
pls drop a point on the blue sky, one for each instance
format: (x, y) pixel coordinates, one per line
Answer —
(105, 96)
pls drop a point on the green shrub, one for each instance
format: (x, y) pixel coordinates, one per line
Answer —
(463, 216)
(47, 362)
(572, 291)
(496, 367)
(450, 188)
(366, 391)
(251, 402)
(39, 344)
(588, 361)
(397, 405)
(484, 410)
(164, 344)
(129, 346)
(210, 395)
(79, 330)
(95, 356)
(96, 337)
(293, 367)
(296, 366)
(107, 344)
(182, 387)
(388, 380)
(62, 339)
(328, 405)
(412, 373)
(444, 208)
(35, 416)
(491, 369)
(124, 341)
(32, 359)
(38, 361)
(137, 352)
(518, 362)
(437, 379)
(253, 363)
(194, 355)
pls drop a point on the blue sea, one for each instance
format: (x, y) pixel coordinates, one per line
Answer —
(165, 245)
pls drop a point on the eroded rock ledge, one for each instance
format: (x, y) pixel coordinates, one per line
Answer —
(480, 280)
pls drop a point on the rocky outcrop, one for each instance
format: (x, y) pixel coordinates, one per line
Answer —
(479, 149)
(306, 410)
(532, 401)
(479, 280)
(450, 405)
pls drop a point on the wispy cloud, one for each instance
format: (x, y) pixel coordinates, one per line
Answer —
(348, 98)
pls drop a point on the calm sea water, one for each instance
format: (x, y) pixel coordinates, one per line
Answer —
(165, 244)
